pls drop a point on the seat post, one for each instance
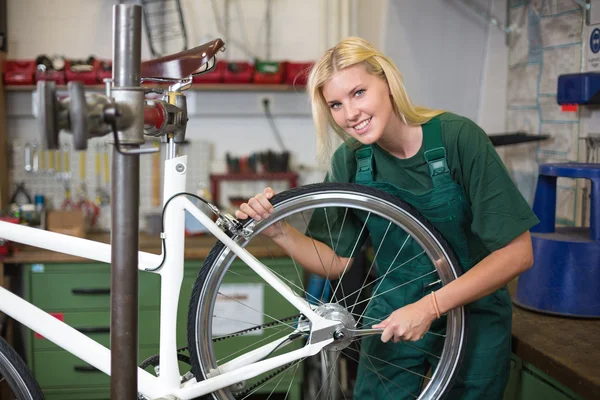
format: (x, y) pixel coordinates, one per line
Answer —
(171, 148)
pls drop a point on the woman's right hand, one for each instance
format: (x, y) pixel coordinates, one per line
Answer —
(258, 208)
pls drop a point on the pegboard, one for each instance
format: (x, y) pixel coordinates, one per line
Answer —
(51, 180)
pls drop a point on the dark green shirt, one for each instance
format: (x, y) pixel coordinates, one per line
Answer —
(500, 213)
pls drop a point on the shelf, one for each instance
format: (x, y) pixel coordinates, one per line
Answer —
(216, 179)
(203, 87)
(265, 176)
(505, 139)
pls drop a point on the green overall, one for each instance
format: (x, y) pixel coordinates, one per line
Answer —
(485, 367)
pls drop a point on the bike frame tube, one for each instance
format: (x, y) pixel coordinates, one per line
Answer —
(247, 366)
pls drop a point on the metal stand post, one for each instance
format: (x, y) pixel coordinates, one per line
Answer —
(125, 205)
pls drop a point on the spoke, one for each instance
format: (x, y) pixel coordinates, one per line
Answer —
(351, 256)
(280, 276)
(264, 313)
(335, 247)
(389, 363)
(291, 382)
(317, 251)
(249, 346)
(424, 351)
(379, 278)
(253, 324)
(399, 286)
(278, 382)
(328, 376)
(294, 261)
(381, 376)
(267, 381)
(384, 275)
(372, 264)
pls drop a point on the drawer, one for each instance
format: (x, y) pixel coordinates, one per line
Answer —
(60, 369)
(244, 282)
(534, 387)
(101, 393)
(96, 325)
(63, 287)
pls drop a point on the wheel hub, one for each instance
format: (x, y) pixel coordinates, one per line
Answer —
(335, 312)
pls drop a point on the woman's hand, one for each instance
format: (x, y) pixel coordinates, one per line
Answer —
(259, 207)
(409, 323)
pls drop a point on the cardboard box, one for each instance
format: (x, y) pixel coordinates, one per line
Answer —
(69, 222)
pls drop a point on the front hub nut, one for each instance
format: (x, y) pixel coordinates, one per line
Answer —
(339, 335)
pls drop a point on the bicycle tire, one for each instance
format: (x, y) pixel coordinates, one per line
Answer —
(17, 375)
(219, 259)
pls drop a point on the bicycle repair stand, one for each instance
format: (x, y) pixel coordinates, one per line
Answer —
(125, 113)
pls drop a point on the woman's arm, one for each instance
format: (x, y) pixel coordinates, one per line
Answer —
(490, 274)
(493, 272)
(313, 255)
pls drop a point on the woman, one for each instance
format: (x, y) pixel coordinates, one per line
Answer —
(445, 166)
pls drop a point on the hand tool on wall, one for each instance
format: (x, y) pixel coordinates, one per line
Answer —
(156, 177)
(165, 26)
(89, 208)
(63, 174)
(102, 197)
(21, 191)
(28, 158)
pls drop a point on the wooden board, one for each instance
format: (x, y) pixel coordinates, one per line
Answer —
(567, 349)
(4, 154)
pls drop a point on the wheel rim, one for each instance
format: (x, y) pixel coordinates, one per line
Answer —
(11, 379)
(453, 345)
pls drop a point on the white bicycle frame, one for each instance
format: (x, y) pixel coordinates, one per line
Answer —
(168, 383)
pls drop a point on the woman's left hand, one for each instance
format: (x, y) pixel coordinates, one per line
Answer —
(409, 323)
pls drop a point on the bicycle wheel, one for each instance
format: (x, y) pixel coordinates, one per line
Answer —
(16, 380)
(233, 311)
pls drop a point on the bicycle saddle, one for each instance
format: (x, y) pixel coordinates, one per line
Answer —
(183, 64)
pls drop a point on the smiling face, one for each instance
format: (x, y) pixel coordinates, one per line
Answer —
(360, 103)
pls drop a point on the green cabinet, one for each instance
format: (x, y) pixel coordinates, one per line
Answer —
(79, 294)
(527, 382)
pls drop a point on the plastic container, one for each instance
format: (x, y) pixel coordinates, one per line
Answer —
(87, 77)
(214, 76)
(19, 72)
(51, 75)
(269, 72)
(104, 70)
(296, 73)
(238, 72)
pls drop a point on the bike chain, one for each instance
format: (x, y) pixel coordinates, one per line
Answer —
(244, 331)
(257, 327)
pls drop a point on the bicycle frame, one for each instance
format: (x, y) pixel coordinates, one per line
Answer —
(168, 383)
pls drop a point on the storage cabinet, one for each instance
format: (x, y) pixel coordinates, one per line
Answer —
(79, 294)
(527, 382)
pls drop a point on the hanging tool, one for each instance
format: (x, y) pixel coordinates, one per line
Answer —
(165, 27)
(28, 158)
(156, 177)
(35, 148)
(90, 209)
(21, 191)
(63, 174)
(43, 154)
(102, 197)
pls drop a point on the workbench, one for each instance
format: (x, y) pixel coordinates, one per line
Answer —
(565, 351)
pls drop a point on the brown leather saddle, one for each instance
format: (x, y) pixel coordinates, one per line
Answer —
(175, 67)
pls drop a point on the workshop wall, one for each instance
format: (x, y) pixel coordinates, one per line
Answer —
(451, 57)
(235, 122)
(549, 40)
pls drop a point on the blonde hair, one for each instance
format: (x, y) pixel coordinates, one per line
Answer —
(352, 51)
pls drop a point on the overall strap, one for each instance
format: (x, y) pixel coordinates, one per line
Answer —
(435, 153)
(364, 164)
